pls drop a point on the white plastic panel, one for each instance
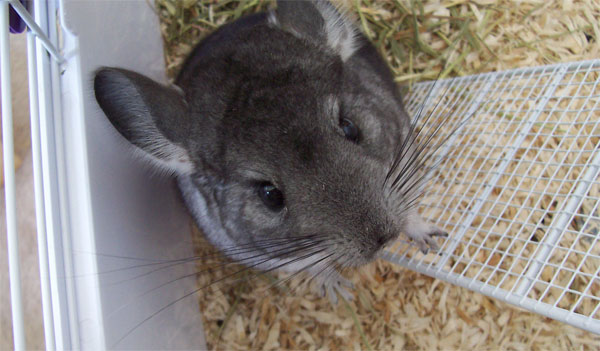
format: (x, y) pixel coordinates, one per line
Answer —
(517, 187)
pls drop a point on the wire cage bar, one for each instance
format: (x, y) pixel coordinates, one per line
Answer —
(518, 188)
(37, 41)
(9, 184)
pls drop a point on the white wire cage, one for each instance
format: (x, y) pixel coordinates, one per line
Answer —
(517, 187)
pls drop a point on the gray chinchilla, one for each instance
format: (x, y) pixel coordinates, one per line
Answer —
(288, 138)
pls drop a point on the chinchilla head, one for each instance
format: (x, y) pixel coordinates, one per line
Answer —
(281, 126)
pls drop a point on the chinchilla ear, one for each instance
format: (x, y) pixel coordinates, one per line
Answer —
(150, 115)
(317, 20)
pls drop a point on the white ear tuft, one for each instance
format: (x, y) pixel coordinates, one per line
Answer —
(340, 30)
(163, 154)
(272, 18)
(317, 21)
(152, 116)
(176, 161)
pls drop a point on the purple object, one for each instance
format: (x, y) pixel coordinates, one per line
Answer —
(16, 24)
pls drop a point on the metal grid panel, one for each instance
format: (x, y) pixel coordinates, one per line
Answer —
(517, 187)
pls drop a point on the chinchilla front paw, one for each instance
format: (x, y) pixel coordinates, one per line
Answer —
(333, 284)
(424, 234)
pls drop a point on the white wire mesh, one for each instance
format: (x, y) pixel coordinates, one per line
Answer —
(517, 187)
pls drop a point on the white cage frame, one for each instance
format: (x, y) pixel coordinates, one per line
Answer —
(502, 118)
(34, 47)
(80, 308)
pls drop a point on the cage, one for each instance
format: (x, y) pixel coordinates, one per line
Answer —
(86, 223)
(516, 184)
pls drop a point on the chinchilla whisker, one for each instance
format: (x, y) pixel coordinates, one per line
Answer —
(458, 127)
(419, 113)
(131, 258)
(271, 241)
(449, 135)
(283, 252)
(294, 242)
(325, 266)
(408, 166)
(267, 241)
(190, 294)
(249, 247)
(318, 249)
(399, 154)
(434, 148)
(240, 249)
(301, 270)
(168, 263)
(309, 265)
(435, 108)
(416, 157)
(325, 260)
(414, 183)
(153, 315)
(281, 239)
(416, 121)
(331, 269)
(346, 260)
(216, 281)
(412, 204)
(427, 156)
(122, 269)
(413, 194)
(286, 251)
(263, 272)
(411, 137)
(156, 262)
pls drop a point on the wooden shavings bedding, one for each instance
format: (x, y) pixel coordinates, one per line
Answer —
(395, 308)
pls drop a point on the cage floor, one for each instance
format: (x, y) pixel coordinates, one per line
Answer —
(517, 187)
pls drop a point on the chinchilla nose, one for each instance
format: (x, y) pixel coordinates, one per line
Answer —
(384, 238)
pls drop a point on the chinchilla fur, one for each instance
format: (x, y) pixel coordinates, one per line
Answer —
(289, 140)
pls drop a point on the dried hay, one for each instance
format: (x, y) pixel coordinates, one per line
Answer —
(421, 38)
(395, 308)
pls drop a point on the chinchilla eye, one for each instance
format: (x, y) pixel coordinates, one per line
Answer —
(350, 129)
(270, 196)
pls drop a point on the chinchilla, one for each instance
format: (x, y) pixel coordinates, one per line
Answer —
(289, 140)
